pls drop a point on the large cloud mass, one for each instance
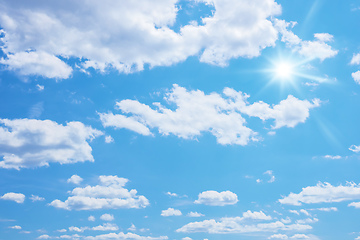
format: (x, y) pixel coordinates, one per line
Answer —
(28, 143)
(125, 35)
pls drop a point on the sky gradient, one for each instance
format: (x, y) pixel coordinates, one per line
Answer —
(181, 120)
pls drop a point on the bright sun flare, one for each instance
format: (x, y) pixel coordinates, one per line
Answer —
(283, 70)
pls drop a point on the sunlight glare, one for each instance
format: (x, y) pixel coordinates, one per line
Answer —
(284, 70)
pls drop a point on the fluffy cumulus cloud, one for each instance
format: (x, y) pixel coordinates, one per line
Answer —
(125, 36)
(75, 179)
(318, 48)
(214, 198)
(37, 63)
(236, 225)
(16, 197)
(29, 143)
(109, 194)
(171, 212)
(107, 217)
(197, 112)
(323, 193)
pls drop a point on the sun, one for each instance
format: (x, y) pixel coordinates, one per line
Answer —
(283, 70)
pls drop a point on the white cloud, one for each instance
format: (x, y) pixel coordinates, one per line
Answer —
(355, 59)
(214, 198)
(109, 139)
(186, 238)
(354, 148)
(123, 236)
(307, 220)
(29, 143)
(125, 36)
(104, 227)
(197, 112)
(91, 218)
(271, 174)
(234, 225)
(40, 87)
(75, 179)
(354, 204)
(195, 214)
(44, 236)
(317, 49)
(294, 212)
(310, 49)
(17, 227)
(171, 212)
(107, 217)
(172, 194)
(109, 194)
(329, 209)
(37, 63)
(305, 212)
(132, 228)
(35, 198)
(16, 197)
(323, 193)
(356, 77)
(278, 236)
(300, 236)
(336, 157)
(61, 230)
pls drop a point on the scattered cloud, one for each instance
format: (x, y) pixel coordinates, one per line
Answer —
(354, 148)
(75, 179)
(109, 194)
(109, 139)
(17, 227)
(336, 157)
(172, 194)
(40, 87)
(234, 225)
(310, 49)
(214, 198)
(35, 198)
(171, 212)
(103, 227)
(278, 236)
(354, 204)
(16, 197)
(197, 112)
(132, 228)
(107, 217)
(29, 143)
(271, 175)
(356, 61)
(323, 193)
(91, 218)
(195, 214)
(328, 209)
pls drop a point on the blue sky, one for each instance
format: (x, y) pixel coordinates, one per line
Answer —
(186, 120)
